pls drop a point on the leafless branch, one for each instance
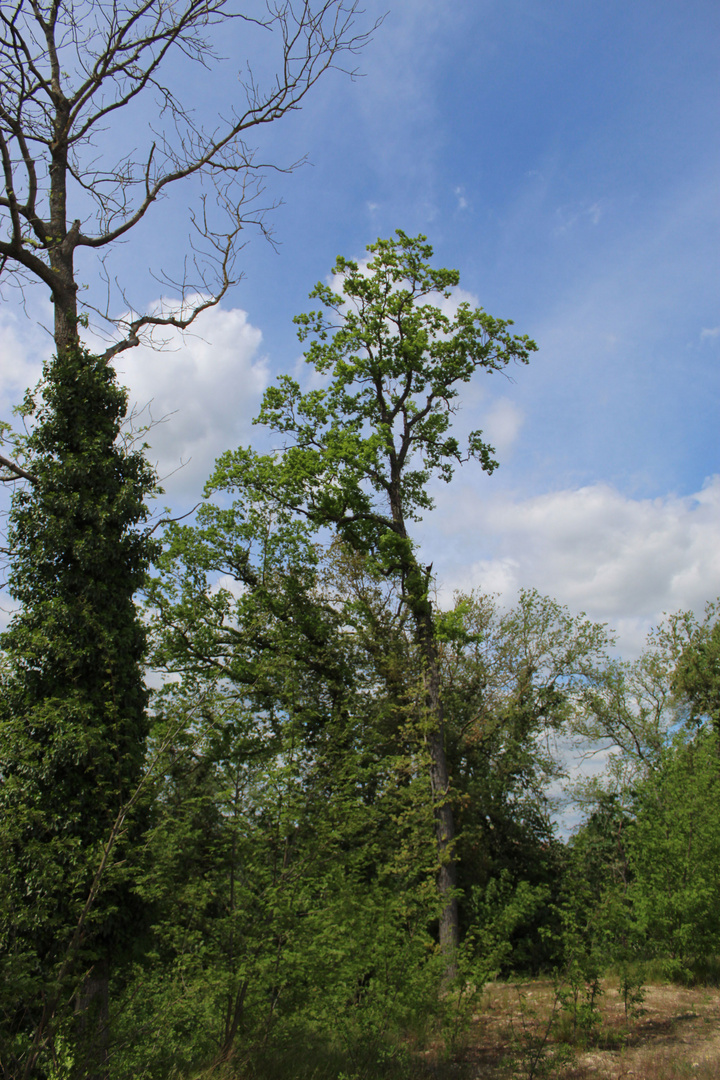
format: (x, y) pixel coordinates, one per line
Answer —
(67, 69)
(171, 521)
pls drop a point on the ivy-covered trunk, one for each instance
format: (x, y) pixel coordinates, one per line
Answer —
(72, 720)
(415, 589)
(440, 784)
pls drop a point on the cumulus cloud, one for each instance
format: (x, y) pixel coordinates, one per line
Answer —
(205, 389)
(624, 561)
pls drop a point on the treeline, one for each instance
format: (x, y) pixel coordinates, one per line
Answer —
(332, 819)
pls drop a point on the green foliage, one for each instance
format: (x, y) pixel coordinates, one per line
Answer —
(631, 989)
(72, 717)
(392, 367)
(697, 673)
(266, 893)
(510, 682)
(359, 450)
(674, 849)
(651, 844)
(577, 983)
(291, 862)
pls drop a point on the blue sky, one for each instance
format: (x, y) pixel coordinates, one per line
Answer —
(563, 155)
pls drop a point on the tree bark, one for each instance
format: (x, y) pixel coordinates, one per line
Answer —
(92, 1010)
(440, 785)
(62, 242)
(416, 585)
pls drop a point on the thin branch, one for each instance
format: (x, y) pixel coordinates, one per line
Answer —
(171, 521)
(19, 472)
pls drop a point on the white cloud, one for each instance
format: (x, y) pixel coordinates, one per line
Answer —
(24, 345)
(623, 561)
(570, 216)
(459, 192)
(709, 333)
(501, 425)
(208, 385)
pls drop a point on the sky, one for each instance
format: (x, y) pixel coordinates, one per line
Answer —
(563, 156)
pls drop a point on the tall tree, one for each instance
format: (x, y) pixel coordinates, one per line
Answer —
(74, 708)
(512, 681)
(359, 453)
(68, 66)
(292, 853)
(72, 711)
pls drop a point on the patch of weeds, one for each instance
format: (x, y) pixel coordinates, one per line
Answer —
(532, 1057)
(579, 1019)
(632, 992)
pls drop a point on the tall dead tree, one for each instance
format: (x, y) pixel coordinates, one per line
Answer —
(66, 69)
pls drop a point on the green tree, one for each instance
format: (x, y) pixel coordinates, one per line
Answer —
(697, 673)
(359, 452)
(73, 711)
(674, 851)
(511, 684)
(291, 858)
(631, 709)
(648, 845)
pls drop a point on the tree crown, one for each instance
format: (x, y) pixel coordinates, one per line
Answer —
(392, 351)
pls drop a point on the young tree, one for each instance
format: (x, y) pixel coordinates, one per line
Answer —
(359, 453)
(67, 66)
(72, 712)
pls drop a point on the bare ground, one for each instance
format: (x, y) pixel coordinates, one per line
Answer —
(677, 1035)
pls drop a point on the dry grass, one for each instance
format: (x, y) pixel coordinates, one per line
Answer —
(677, 1035)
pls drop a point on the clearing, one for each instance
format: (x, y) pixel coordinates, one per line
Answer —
(676, 1034)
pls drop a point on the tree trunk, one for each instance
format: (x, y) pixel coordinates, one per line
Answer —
(421, 609)
(92, 1010)
(62, 241)
(444, 819)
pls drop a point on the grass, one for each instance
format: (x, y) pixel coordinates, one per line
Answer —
(524, 1031)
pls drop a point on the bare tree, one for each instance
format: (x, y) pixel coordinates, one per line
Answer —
(66, 67)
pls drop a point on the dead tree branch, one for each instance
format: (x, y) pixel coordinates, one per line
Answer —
(66, 69)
